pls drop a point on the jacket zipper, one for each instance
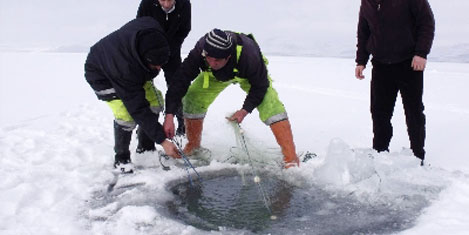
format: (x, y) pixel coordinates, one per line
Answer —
(379, 6)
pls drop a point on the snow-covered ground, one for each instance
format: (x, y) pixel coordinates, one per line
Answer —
(56, 145)
(56, 137)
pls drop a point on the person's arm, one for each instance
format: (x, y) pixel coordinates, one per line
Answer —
(170, 149)
(144, 9)
(251, 66)
(181, 81)
(363, 35)
(418, 63)
(359, 71)
(168, 125)
(185, 25)
(259, 84)
(238, 116)
(425, 26)
(362, 56)
(186, 73)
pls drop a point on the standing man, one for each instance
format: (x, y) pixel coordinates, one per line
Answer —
(221, 58)
(399, 35)
(175, 18)
(120, 69)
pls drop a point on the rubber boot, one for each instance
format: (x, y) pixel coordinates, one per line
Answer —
(194, 135)
(283, 135)
(144, 142)
(121, 148)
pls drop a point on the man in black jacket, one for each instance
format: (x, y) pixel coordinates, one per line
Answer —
(399, 35)
(221, 58)
(175, 18)
(120, 69)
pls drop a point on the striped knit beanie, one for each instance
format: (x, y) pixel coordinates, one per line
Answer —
(218, 44)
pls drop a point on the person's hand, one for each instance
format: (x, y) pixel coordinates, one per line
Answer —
(359, 72)
(170, 149)
(168, 125)
(238, 116)
(418, 63)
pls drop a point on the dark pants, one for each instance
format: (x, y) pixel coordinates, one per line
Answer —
(387, 80)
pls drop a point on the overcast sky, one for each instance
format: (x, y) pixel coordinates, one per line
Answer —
(301, 27)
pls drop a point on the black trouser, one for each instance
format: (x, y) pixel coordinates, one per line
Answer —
(387, 80)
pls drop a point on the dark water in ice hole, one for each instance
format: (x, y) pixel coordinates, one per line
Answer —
(224, 200)
(225, 203)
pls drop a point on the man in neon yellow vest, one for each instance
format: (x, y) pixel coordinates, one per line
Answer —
(221, 58)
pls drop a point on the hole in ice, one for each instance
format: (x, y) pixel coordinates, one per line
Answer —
(229, 201)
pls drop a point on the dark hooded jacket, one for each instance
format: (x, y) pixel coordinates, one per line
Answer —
(250, 66)
(176, 24)
(394, 30)
(115, 70)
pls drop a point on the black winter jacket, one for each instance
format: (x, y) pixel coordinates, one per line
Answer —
(114, 70)
(176, 24)
(394, 30)
(250, 66)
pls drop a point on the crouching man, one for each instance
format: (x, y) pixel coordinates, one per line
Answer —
(120, 69)
(221, 58)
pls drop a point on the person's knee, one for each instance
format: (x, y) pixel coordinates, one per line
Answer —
(194, 106)
(125, 125)
(381, 113)
(275, 118)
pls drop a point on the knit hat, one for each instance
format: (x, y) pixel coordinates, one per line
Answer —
(153, 47)
(218, 44)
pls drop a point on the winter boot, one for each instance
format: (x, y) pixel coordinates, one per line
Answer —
(122, 139)
(181, 130)
(194, 135)
(144, 142)
(283, 135)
